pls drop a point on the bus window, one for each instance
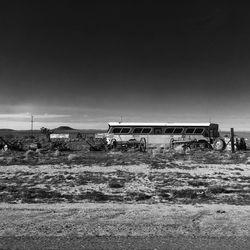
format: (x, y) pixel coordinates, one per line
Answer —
(198, 131)
(125, 130)
(157, 131)
(178, 130)
(137, 130)
(190, 130)
(116, 130)
(146, 130)
(169, 130)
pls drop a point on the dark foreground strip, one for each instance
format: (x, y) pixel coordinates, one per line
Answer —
(117, 243)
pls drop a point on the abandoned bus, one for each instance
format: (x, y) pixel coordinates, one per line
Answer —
(163, 134)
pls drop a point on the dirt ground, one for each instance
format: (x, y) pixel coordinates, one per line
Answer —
(106, 219)
(159, 192)
(92, 197)
(194, 178)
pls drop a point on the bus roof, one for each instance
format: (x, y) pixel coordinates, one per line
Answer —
(142, 124)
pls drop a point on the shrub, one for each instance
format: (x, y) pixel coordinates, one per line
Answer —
(29, 154)
(116, 183)
(72, 157)
(139, 196)
(94, 195)
(217, 189)
(57, 153)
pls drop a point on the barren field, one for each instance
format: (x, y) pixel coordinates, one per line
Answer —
(161, 193)
(89, 219)
(131, 177)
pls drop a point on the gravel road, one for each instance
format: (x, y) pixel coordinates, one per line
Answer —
(128, 243)
(124, 226)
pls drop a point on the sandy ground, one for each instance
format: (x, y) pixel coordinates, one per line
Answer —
(202, 196)
(158, 182)
(107, 219)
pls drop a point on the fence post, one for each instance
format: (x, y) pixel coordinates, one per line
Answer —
(232, 140)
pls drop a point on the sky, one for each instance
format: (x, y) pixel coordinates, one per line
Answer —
(86, 63)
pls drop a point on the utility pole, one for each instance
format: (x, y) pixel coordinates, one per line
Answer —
(232, 140)
(32, 121)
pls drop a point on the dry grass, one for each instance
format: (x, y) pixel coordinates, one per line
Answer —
(198, 177)
(165, 176)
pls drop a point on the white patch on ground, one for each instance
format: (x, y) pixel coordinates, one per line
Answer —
(199, 169)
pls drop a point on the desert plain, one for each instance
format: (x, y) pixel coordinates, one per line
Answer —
(80, 193)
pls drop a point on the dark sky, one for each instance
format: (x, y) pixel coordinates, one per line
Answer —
(87, 63)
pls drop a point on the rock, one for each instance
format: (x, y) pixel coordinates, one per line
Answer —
(9, 160)
(57, 153)
(29, 154)
(155, 151)
(116, 183)
(72, 157)
(248, 160)
(220, 211)
(39, 152)
(179, 149)
(33, 146)
(114, 153)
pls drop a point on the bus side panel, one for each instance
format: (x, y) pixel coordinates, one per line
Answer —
(154, 140)
(162, 140)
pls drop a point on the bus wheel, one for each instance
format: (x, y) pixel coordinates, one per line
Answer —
(219, 144)
(143, 145)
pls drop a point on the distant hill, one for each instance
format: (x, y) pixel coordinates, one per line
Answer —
(64, 128)
(6, 130)
(92, 131)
